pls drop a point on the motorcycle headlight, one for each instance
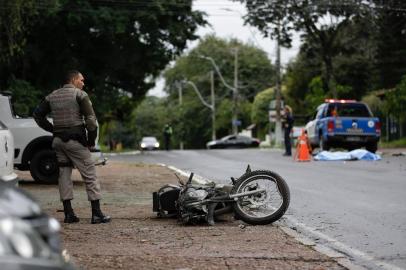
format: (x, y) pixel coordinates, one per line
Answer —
(17, 237)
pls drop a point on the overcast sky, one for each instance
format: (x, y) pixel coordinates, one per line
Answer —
(225, 19)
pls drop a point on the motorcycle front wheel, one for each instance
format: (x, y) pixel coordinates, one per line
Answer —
(263, 207)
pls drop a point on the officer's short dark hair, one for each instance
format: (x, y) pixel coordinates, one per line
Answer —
(70, 75)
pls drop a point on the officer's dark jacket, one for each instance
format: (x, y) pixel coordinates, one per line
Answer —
(288, 121)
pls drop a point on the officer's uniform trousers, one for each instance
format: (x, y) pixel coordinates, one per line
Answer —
(73, 152)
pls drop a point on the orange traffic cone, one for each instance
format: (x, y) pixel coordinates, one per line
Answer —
(303, 148)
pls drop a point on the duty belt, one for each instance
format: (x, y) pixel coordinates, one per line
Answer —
(76, 133)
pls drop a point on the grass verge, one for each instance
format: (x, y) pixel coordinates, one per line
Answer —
(394, 144)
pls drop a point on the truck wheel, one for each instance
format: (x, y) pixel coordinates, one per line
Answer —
(372, 147)
(44, 167)
(323, 144)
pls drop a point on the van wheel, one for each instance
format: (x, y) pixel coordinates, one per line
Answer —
(44, 167)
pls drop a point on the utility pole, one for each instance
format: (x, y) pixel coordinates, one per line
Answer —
(278, 125)
(213, 106)
(235, 93)
(234, 88)
(179, 85)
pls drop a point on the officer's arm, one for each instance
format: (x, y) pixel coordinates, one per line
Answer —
(90, 119)
(40, 116)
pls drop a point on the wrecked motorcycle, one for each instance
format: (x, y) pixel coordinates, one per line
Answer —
(257, 197)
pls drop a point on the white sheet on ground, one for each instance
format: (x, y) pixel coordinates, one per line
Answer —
(358, 154)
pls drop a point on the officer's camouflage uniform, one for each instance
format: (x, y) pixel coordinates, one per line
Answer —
(72, 115)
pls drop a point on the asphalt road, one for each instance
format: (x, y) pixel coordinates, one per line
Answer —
(357, 208)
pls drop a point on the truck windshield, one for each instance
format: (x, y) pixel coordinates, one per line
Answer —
(348, 109)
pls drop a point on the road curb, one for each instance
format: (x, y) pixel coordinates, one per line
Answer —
(339, 257)
(136, 152)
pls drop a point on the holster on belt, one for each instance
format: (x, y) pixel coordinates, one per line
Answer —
(77, 133)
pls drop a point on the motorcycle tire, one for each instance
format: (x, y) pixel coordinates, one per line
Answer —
(262, 208)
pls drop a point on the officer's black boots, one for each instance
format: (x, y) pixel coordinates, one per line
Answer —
(70, 216)
(97, 214)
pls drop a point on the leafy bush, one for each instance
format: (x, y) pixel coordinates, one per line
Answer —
(396, 100)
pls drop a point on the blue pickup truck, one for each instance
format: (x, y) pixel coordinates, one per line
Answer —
(344, 124)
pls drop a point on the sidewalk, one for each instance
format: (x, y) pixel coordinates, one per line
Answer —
(137, 239)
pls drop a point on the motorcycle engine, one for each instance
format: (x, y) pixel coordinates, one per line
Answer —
(192, 194)
(188, 204)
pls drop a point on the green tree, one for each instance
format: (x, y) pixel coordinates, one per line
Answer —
(120, 46)
(260, 111)
(24, 97)
(149, 117)
(255, 72)
(298, 75)
(315, 95)
(278, 18)
(396, 100)
(390, 39)
(376, 105)
(354, 66)
(224, 115)
(16, 18)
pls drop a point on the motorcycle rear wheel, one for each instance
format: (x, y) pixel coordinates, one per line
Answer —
(263, 208)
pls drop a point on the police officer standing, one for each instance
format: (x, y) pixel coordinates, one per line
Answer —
(167, 136)
(287, 128)
(75, 130)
